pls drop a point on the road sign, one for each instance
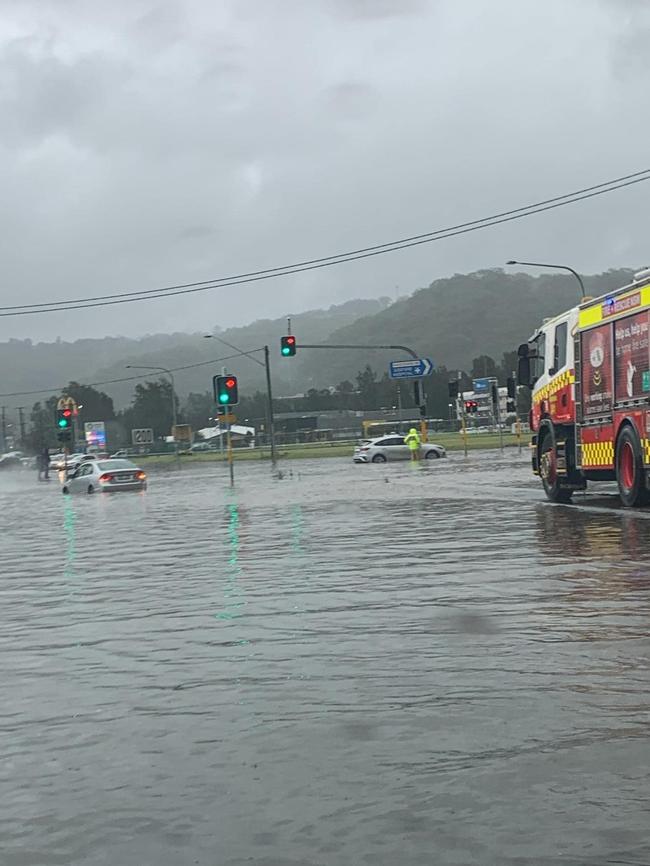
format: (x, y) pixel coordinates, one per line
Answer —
(142, 436)
(228, 418)
(95, 434)
(182, 433)
(482, 386)
(414, 369)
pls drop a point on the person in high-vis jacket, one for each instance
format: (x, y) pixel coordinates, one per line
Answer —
(412, 439)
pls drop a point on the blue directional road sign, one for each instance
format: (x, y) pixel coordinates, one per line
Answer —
(414, 369)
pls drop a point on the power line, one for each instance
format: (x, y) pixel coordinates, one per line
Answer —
(329, 261)
(61, 388)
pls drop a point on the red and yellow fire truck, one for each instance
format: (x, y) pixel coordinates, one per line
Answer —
(589, 370)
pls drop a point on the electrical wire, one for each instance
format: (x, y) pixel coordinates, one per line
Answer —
(328, 261)
(62, 388)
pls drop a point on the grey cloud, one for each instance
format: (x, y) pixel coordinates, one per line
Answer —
(376, 9)
(147, 143)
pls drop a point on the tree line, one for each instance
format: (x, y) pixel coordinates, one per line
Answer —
(151, 405)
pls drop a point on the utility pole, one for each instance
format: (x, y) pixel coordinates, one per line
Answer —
(269, 395)
(21, 424)
(4, 427)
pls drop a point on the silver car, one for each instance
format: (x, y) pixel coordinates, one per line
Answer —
(105, 476)
(392, 447)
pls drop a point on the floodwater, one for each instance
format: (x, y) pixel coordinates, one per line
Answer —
(382, 665)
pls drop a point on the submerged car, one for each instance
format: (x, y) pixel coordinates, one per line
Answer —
(392, 447)
(105, 476)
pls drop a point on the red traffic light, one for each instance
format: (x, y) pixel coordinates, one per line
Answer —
(230, 383)
(288, 345)
(67, 413)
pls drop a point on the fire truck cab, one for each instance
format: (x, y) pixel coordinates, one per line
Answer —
(589, 370)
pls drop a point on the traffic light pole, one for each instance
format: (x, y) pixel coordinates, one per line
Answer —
(269, 396)
(418, 390)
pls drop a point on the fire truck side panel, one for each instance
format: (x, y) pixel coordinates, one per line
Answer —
(615, 383)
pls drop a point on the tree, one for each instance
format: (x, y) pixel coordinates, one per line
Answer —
(483, 367)
(96, 406)
(199, 409)
(367, 388)
(152, 407)
(42, 431)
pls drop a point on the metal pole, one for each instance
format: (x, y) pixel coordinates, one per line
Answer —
(399, 409)
(269, 394)
(174, 418)
(559, 267)
(21, 424)
(461, 408)
(4, 428)
(231, 464)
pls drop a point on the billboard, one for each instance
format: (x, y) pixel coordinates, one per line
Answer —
(597, 367)
(632, 357)
(95, 434)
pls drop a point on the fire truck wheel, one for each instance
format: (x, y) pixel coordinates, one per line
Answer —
(629, 469)
(548, 471)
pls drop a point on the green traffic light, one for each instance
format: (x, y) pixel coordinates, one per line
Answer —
(224, 398)
(285, 350)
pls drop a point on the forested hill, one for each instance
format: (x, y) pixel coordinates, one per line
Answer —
(452, 321)
(28, 366)
(456, 319)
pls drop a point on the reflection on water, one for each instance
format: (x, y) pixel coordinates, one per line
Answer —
(374, 667)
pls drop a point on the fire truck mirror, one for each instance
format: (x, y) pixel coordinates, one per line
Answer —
(524, 350)
(523, 371)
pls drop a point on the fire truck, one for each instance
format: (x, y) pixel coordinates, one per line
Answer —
(589, 370)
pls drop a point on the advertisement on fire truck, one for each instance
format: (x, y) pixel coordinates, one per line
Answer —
(632, 357)
(597, 371)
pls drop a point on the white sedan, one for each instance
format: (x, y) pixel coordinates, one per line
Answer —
(393, 447)
(105, 476)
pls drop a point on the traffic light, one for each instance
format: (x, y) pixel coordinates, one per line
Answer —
(64, 435)
(511, 386)
(225, 390)
(453, 389)
(471, 407)
(288, 346)
(511, 406)
(64, 419)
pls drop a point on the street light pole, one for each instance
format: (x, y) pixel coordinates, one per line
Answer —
(559, 267)
(266, 363)
(174, 418)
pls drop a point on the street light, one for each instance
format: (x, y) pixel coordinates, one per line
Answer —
(546, 265)
(171, 376)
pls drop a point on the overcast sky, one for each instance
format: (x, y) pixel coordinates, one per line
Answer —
(146, 143)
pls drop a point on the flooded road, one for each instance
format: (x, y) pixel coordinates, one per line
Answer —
(373, 665)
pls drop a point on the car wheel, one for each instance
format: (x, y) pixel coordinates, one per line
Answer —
(432, 455)
(379, 458)
(91, 489)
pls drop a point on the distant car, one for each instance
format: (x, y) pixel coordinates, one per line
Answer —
(105, 476)
(392, 447)
(56, 461)
(202, 446)
(75, 460)
(121, 453)
(11, 460)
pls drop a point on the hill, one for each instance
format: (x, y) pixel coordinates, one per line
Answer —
(456, 319)
(27, 366)
(453, 320)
